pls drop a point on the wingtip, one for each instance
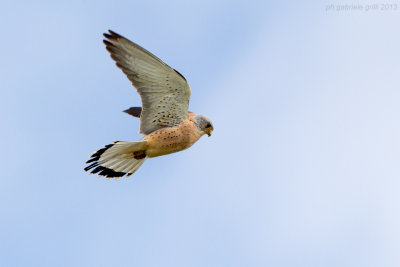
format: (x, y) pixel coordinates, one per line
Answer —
(111, 35)
(107, 43)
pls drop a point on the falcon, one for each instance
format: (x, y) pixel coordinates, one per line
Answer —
(165, 121)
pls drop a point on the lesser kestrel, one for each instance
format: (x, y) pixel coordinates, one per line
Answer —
(165, 121)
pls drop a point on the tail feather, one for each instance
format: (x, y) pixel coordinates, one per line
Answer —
(118, 159)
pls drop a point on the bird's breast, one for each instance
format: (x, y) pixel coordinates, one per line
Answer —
(170, 140)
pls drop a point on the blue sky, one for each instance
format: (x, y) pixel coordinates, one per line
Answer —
(302, 168)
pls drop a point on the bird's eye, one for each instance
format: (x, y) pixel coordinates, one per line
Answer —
(208, 125)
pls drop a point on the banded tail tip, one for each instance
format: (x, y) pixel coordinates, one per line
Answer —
(117, 160)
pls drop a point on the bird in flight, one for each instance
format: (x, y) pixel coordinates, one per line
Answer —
(165, 121)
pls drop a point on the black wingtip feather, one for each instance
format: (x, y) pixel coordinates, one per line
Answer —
(134, 111)
(107, 43)
(114, 34)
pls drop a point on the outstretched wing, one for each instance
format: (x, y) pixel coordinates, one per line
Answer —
(164, 92)
(135, 112)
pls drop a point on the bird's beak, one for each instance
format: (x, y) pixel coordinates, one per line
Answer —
(209, 132)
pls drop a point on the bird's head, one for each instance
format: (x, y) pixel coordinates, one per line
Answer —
(203, 124)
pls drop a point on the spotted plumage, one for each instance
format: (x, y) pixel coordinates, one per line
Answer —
(165, 121)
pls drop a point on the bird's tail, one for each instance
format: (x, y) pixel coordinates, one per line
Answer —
(118, 159)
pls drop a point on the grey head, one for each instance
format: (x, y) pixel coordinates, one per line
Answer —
(203, 124)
